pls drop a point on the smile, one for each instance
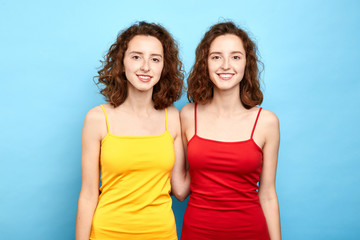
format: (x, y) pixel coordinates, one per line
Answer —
(225, 76)
(144, 78)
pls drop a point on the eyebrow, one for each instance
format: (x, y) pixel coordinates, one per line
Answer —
(234, 52)
(140, 53)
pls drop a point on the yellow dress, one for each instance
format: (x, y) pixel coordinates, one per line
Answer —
(134, 201)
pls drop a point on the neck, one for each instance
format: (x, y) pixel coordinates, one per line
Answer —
(139, 102)
(227, 102)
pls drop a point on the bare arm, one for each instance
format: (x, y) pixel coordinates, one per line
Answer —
(90, 152)
(267, 192)
(180, 180)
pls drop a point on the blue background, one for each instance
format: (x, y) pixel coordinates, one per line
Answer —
(50, 51)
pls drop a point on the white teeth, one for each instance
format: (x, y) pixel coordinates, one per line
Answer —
(225, 75)
(144, 77)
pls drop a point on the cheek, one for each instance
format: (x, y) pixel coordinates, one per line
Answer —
(240, 67)
(212, 75)
(242, 71)
(128, 67)
(212, 67)
(243, 65)
(158, 68)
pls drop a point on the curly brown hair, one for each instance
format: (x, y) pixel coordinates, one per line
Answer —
(112, 76)
(200, 87)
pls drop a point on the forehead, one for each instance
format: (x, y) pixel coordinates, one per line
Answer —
(227, 42)
(145, 44)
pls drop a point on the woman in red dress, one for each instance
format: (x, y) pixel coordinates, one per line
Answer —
(232, 145)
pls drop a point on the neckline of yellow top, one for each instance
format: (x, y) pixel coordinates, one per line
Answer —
(135, 137)
(138, 137)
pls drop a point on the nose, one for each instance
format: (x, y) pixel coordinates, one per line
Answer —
(145, 66)
(225, 64)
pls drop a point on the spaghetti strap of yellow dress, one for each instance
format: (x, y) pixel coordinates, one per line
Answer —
(134, 201)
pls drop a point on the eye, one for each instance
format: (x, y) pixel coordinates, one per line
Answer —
(237, 57)
(215, 57)
(156, 60)
(136, 57)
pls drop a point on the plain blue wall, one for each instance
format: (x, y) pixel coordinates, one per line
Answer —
(50, 50)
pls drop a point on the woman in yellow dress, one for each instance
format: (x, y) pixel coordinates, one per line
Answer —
(133, 141)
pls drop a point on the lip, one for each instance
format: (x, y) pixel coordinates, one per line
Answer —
(225, 76)
(144, 78)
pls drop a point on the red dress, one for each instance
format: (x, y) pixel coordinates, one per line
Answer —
(224, 202)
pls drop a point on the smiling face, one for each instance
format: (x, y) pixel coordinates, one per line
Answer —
(226, 61)
(143, 62)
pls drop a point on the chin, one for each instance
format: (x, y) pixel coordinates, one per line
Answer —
(144, 89)
(225, 86)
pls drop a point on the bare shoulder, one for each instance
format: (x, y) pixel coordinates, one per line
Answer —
(268, 118)
(269, 125)
(173, 117)
(187, 112)
(95, 123)
(173, 112)
(173, 121)
(95, 115)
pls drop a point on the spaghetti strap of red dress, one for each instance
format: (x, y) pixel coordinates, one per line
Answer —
(224, 202)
